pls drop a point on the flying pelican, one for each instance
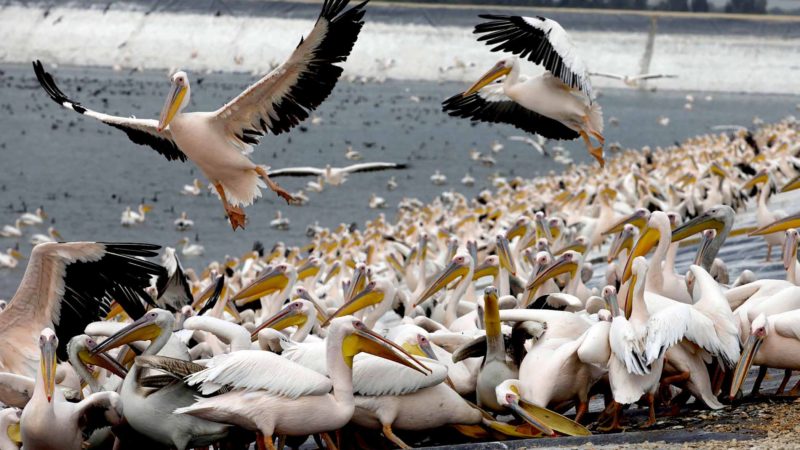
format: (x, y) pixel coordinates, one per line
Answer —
(632, 80)
(334, 176)
(556, 105)
(219, 141)
(65, 287)
(49, 420)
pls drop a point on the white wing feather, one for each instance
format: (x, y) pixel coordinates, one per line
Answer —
(627, 346)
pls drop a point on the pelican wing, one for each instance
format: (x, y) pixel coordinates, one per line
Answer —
(297, 172)
(256, 370)
(173, 291)
(375, 376)
(627, 347)
(607, 75)
(140, 131)
(666, 328)
(787, 324)
(66, 286)
(540, 40)
(653, 76)
(284, 97)
(373, 167)
(490, 104)
(310, 355)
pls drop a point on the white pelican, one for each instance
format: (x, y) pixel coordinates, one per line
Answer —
(49, 421)
(130, 217)
(188, 249)
(537, 143)
(65, 287)
(556, 105)
(352, 154)
(194, 189)
(13, 230)
(52, 236)
(219, 141)
(632, 80)
(279, 222)
(10, 438)
(468, 180)
(391, 184)
(10, 258)
(764, 216)
(272, 395)
(183, 222)
(438, 178)
(34, 218)
(376, 202)
(334, 176)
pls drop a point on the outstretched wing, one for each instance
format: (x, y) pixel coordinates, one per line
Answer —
(140, 131)
(540, 40)
(284, 97)
(373, 167)
(491, 105)
(297, 172)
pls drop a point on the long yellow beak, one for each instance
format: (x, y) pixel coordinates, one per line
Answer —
(104, 361)
(452, 272)
(48, 363)
(761, 177)
(697, 225)
(637, 219)
(518, 230)
(143, 329)
(791, 185)
(367, 341)
(370, 296)
(488, 268)
(290, 315)
(745, 361)
(493, 74)
(622, 241)
(504, 253)
(563, 265)
(646, 242)
(171, 106)
(14, 433)
(784, 224)
(790, 248)
(273, 281)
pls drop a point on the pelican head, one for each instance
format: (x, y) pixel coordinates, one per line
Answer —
(790, 248)
(373, 293)
(10, 417)
(458, 268)
(274, 279)
(758, 331)
(48, 344)
(79, 349)
(519, 229)
(417, 344)
(610, 297)
(719, 218)
(566, 263)
(151, 326)
(503, 67)
(508, 395)
(489, 267)
(638, 219)
(622, 241)
(296, 313)
(504, 253)
(357, 338)
(177, 99)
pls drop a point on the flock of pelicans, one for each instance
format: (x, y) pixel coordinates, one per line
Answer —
(473, 315)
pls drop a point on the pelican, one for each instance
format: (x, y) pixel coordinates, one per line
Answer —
(334, 176)
(468, 180)
(65, 287)
(352, 154)
(438, 178)
(194, 189)
(495, 369)
(10, 438)
(279, 222)
(632, 80)
(14, 231)
(131, 218)
(35, 218)
(556, 105)
(189, 249)
(764, 216)
(272, 395)
(183, 222)
(52, 236)
(10, 258)
(391, 184)
(49, 421)
(218, 142)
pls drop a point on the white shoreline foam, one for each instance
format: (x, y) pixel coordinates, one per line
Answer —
(195, 42)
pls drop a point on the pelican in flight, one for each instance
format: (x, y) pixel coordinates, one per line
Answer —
(632, 80)
(556, 105)
(334, 176)
(219, 141)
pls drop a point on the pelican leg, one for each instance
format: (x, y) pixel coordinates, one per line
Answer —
(387, 431)
(795, 390)
(762, 372)
(769, 253)
(581, 410)
(615, 409)
(596, 152)
(283, 193)
(235, 214)
(260, 441)
(651, 401)
(281, 441)
(786, 375)
(329, 441)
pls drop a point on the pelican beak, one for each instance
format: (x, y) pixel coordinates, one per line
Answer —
(745, 361)
(530, 417)
(357, 284)
(104, 361)
(273, 281)
(309, 269)
(542, 228)
(784, 224)
(623, 241)
(57, 235)
(368, 297)
(289, 316)
(453, 271)
(171, 106)
(761, 177)
(504, 253)
(491, 312)
(335, 269)
(143, 329)
(562, 265)
(16, 254)
(697, 225)
(790, 248)
(147, 208)
(518, 230)
(708, 237)
(791, 185)
(494, 73)
(48, 367)
(322, 315)
(612, 301)
(629, 298)
(576, 245)
(486, 269)
(14, 433)
(420, 348)
(368, 341)
(636, 219)
(716, 169)
(647, 241)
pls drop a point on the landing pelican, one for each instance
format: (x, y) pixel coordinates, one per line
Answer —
(556, 105)
(219, 141)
